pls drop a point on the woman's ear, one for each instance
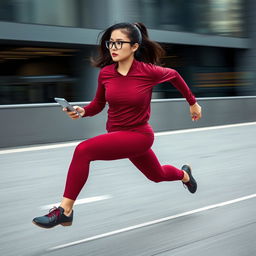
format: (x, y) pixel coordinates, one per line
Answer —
(135, 47)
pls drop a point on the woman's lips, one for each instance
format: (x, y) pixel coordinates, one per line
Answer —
(114, 54)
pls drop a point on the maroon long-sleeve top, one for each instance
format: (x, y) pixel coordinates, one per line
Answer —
(129, 96)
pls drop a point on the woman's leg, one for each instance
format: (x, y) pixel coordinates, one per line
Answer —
(110, 146)
(149, 165)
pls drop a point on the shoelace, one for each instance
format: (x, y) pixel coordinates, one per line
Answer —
(54, 212)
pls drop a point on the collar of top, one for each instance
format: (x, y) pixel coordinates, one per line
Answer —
(134, 64)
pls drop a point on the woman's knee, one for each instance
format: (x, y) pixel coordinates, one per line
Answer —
(155, 179)
(82, 149)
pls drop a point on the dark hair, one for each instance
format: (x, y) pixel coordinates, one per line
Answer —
(148, 51)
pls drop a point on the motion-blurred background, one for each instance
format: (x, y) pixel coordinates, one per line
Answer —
(45, 50)
(45, 46)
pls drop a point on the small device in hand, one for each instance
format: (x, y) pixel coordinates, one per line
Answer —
(66, 105)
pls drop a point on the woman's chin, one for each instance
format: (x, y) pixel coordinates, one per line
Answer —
(115, 59)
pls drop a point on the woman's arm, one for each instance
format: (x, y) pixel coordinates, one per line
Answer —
(95, 106)
(98, 103)
(161, 75)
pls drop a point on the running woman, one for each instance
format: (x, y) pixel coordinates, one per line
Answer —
(129, 69)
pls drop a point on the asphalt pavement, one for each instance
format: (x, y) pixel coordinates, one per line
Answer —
(121, 213)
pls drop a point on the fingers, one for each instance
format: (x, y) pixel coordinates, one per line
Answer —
(80, 110)
(196, 116)
(196, 112)
(72, 114)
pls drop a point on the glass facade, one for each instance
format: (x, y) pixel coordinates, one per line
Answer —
(47, 12)
(220, 17)
(36, 72)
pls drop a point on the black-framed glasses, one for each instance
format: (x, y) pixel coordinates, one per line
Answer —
(118, 44)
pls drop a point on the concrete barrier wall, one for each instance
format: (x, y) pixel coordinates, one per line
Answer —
(46, 123)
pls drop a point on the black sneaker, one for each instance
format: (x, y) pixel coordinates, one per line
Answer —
(53, 218)
(191, 184)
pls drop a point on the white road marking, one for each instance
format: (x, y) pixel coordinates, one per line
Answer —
(152, 222)
(79, 201)
(71, 144)
(36, 148)
(204, 129)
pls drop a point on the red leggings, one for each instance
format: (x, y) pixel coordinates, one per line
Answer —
(117, 145)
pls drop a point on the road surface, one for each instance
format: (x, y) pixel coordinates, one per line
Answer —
(121, 213)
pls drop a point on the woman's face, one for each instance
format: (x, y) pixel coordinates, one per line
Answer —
(127, 50)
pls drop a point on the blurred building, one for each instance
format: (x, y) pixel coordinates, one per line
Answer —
(46, 45)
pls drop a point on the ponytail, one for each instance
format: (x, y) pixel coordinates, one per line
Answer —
(149, 51)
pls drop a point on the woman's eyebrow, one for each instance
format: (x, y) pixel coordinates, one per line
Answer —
(118, 39)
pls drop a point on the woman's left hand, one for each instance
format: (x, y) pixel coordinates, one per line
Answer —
(195, 111)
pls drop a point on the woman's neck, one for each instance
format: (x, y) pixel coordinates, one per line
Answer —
(124, 66)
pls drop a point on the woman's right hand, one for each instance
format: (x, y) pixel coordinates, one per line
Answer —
(73, 114)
